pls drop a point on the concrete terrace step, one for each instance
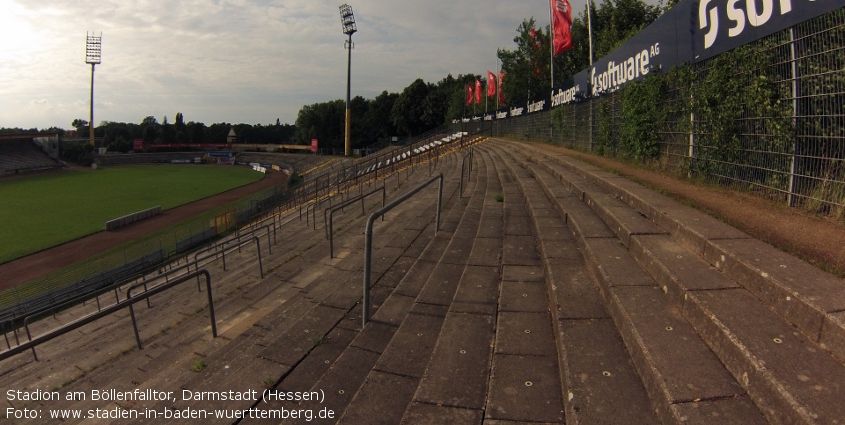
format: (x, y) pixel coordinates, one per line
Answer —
(241, 319)
(526, 383)
(323, 322)
(596, 371)
(343, 373)
(669, 384)
(663, 346)
(785, 382)
(169, 310)
(284, 352)
(384, 321)
(448, 333)
(809, 298)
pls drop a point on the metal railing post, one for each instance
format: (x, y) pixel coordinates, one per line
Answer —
(329, 223)
(368, 236)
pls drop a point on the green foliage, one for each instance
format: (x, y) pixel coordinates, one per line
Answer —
(323, 121)
(561, 119)
(527, 67)
(643, 114)
(409, 111)
(613, 23)
(81, 153)
(199, 365)
(604, 143)
(724, 94)
(828, 196)
(118, 145)
(376, 124)
(294, 179)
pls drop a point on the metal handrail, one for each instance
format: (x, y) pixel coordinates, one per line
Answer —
(327, 212)
(463, 165)
(257, 224)
(312, 208)
(238, 245)
(143, 283)
(368, 238)
(255, 230)
(103, 313)
(156, 289)
(330, 227)
(295, 195)
(238, 237)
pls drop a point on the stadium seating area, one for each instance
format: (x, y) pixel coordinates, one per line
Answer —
(552, 292)
(145, 158)
(23, 156)
(302, 164)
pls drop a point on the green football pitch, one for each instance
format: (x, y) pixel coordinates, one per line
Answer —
(42, 211)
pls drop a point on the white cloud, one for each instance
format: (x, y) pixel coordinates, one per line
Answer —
(235, 60)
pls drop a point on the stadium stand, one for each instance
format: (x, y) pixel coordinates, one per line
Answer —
(552, 292)
(20, 154)
(303, 164)
(110, 159)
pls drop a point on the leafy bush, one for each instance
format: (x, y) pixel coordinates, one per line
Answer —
(77, 152)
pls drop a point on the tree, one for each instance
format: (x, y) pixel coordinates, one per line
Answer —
(196, 132)
(408, 113)
(613, 22)
(149, 129)
(324, 121)
(80, 125)
(377, 118)
(217, 132)
(79, 122)
(167, 135)
(527, 67)
(180, 129)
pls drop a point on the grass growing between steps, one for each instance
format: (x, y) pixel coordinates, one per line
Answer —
(199, 365)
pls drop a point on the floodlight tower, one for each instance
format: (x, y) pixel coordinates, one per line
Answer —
(93, 53)
(347, 20)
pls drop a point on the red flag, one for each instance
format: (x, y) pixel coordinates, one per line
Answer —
(477, 91)
(491, 84)
(469, 95)
(533, 33)
(561, 21)
(501, 92)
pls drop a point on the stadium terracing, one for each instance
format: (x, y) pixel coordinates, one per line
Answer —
(547, 291)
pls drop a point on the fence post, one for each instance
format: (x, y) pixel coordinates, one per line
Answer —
(795, 92)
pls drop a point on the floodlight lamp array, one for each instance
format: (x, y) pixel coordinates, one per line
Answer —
(347, 19)
(93, 49)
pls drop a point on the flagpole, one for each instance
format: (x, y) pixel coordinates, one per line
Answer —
(590, 31)
(590, 36)
(551, 46)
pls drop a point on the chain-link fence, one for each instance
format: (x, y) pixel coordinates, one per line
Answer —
(768, 118)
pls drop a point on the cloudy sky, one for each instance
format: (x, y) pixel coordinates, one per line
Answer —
(239, 61)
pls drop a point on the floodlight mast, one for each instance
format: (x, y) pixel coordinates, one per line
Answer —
(347, 20)
(93, 56)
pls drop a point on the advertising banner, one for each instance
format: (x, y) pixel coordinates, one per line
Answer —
(721, 25)
(690, 32)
